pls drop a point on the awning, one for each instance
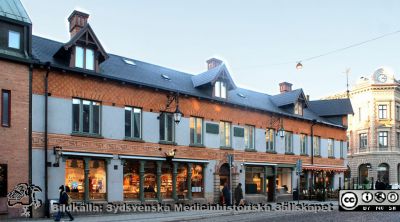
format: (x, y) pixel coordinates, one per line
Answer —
(259, 163)
(162, 159)
(324, 168)
(66, 153)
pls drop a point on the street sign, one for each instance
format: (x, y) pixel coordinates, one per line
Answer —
(299, 164)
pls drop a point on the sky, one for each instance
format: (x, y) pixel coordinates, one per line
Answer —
(260, 41)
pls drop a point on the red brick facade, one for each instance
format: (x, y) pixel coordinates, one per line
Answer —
(14, 139)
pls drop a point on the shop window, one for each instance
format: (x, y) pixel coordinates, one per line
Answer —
(3, 180)
(131, 180)
(75, 178)
(196, 130)
(150, 180)
(97, 180)
(254, 179)
(86, 116)
(181, 179)
(197, 181)
(284, 180)
(166, 181)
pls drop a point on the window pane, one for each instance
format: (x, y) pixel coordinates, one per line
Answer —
(192, 129)
(162, 126)
(96, 118)
(75, 114)
(131, 181)
(170, 127)
(79, 57)
(166, 180)
(228, 134)
(222, 133)
(75, 178)
(86, 115)
(251, 137)
(137, 122)
(181, 179)
(14, 39)
(5, 119)
(97, 180)
(199, 130)
(217, 89)
(197, 181)
(223, 90)
(150, 180)
(89, 59)
(128, 121)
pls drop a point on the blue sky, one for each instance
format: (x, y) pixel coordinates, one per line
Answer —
(250, 36)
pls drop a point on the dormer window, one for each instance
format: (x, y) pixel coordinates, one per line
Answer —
(298, 108)
(220, 89)
(84, 58)
(14, 39)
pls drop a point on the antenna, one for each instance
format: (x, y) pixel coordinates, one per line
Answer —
(348, 70)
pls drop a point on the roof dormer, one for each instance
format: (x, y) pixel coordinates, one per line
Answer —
(83, 50)
(216, 79)
(293, 101)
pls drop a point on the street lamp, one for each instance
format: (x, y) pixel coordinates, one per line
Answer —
(299, 66)
(177, 114)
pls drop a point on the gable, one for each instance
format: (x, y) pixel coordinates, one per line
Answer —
(211, 76)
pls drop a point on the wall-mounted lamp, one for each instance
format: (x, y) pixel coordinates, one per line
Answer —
(177, 113)
(57, 150)
(277, 123)
(299, 66)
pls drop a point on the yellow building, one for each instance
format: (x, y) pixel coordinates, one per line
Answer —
(374, 129)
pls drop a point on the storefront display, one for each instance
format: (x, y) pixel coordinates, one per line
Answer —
(284, 180)
(181, 179)
(97, 180)
(150, 180)
(254, 179)
(75, 178)
(197, 181)
(166, 181)
(131, 181)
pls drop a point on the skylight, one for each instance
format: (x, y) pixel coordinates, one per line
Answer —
(165, 77)
(241, 95)
(129, 62)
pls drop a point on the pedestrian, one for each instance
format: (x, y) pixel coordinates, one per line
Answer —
(227, 194)
(238, 194)
(63, 204)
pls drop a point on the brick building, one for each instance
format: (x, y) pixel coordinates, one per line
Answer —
(117, 129)
(374, 133)
(15, 35)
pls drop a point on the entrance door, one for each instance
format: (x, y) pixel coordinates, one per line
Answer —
(223, 178)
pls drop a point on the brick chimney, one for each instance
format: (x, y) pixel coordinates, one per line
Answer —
(77, 20)
(285, 87)
(213, 62)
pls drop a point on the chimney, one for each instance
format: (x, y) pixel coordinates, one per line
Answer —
(77, 20)
(285, 87)
(213, 62)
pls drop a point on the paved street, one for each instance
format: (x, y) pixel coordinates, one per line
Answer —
(222, 216)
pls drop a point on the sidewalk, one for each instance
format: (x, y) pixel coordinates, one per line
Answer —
(164, 216)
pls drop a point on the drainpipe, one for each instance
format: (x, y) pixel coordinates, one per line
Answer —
(30, 134)
(314, 122)
(46, 184)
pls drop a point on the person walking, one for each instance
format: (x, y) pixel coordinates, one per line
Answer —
(238, 194)
(227, 194)
(63, 204)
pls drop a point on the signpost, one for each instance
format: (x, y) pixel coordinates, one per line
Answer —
(299, 164)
